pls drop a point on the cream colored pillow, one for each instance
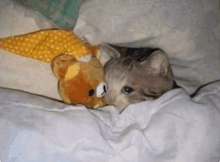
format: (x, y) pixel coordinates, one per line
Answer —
(22, 73)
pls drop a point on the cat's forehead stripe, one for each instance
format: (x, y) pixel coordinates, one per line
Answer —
(117, 74)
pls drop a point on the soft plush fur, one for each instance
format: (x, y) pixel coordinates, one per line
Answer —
(135, 78)
(80, 82)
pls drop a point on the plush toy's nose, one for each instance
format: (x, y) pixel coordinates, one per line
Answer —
(101, 89)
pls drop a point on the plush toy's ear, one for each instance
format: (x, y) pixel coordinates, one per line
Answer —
(65, 67)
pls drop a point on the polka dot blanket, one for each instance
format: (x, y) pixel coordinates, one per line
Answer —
(44, 45)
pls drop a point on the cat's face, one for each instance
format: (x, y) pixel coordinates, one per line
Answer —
(131, 82)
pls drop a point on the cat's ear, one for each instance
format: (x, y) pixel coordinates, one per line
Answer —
(157, 63)
(107, 52)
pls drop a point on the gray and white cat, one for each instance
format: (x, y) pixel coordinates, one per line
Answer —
(139, 74)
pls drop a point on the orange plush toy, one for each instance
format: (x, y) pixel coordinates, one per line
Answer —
(74, 63)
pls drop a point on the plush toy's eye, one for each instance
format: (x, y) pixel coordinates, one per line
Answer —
(91, 92)
(127, 90)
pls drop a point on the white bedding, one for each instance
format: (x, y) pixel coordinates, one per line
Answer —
(173, 128)
(170, 129)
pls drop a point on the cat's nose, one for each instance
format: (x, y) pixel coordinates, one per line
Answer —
(101, 90)
(109, 99)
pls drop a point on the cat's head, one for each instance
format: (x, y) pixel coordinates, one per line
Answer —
(131, 81)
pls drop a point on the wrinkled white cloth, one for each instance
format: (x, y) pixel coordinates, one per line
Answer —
(170, 129)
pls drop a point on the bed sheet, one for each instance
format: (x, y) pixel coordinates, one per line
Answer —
(169, 129)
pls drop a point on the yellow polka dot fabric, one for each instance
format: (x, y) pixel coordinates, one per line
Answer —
(44, 45)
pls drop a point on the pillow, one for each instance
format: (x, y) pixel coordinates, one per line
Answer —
(171, 128)
(62, 13)
(188, 31)
(17, 72)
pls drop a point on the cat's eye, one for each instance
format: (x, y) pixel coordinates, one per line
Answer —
(91, 92)
(127, 90)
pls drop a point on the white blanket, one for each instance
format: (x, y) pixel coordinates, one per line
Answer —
(170, 129)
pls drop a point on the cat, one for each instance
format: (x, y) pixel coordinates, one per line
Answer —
(136, 74)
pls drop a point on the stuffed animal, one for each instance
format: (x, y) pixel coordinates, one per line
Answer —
(74, 63)
(45, 45)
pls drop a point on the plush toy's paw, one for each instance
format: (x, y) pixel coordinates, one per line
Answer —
(80, 82)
